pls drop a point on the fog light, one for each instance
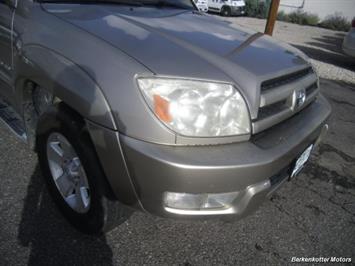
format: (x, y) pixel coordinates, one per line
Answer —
(205, 201)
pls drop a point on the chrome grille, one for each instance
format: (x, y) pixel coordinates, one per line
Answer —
(284, 96)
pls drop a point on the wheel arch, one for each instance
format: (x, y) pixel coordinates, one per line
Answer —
(74, 86)
(66, 81)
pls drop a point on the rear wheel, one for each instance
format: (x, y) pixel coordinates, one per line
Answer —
(73, 173)
(226, 11)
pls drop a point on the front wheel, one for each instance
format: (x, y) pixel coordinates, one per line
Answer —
(73, 173)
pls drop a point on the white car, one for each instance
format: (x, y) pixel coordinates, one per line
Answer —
(227, 7)
(202, 5)
(349, 41)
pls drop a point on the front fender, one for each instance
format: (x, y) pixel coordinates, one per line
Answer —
(71, 83)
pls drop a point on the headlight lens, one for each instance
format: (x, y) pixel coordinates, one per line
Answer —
(195, 108)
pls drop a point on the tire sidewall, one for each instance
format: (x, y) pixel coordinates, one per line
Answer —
(55, 120)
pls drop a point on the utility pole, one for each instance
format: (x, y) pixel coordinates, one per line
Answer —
(270, 23)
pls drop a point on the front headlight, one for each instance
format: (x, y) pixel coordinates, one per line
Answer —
(195, 108)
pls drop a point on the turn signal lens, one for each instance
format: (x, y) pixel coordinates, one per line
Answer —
(161, 108)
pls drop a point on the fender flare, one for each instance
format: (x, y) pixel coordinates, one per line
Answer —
(76, 86)
(73, 84)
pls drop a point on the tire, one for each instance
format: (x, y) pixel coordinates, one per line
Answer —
(226, 12)
(99, 211)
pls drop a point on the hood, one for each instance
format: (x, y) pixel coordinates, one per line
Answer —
(172, 42)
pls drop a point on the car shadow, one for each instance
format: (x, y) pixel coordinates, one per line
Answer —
(51, 240)
(328, 49)
(330, 43)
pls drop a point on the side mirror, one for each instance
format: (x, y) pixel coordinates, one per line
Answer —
(11, 3)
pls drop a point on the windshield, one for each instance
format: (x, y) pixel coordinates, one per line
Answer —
(183, 4)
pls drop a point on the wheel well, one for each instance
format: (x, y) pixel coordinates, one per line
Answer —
(225, 7)
(32, 115)
(35, 101)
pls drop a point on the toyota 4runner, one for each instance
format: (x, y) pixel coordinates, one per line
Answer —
(153, 105)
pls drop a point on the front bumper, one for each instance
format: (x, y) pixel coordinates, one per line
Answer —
(254, 168)
(203, 8)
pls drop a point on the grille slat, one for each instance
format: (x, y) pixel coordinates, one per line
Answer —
(271, 109)
(311, 88)
(279, 81)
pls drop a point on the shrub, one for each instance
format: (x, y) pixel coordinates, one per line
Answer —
(251, 7)
(263, 9)
(257, 8)
(282, 16)
(302, 18)
(336, 22)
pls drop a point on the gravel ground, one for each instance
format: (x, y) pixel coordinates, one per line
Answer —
(314, 215)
